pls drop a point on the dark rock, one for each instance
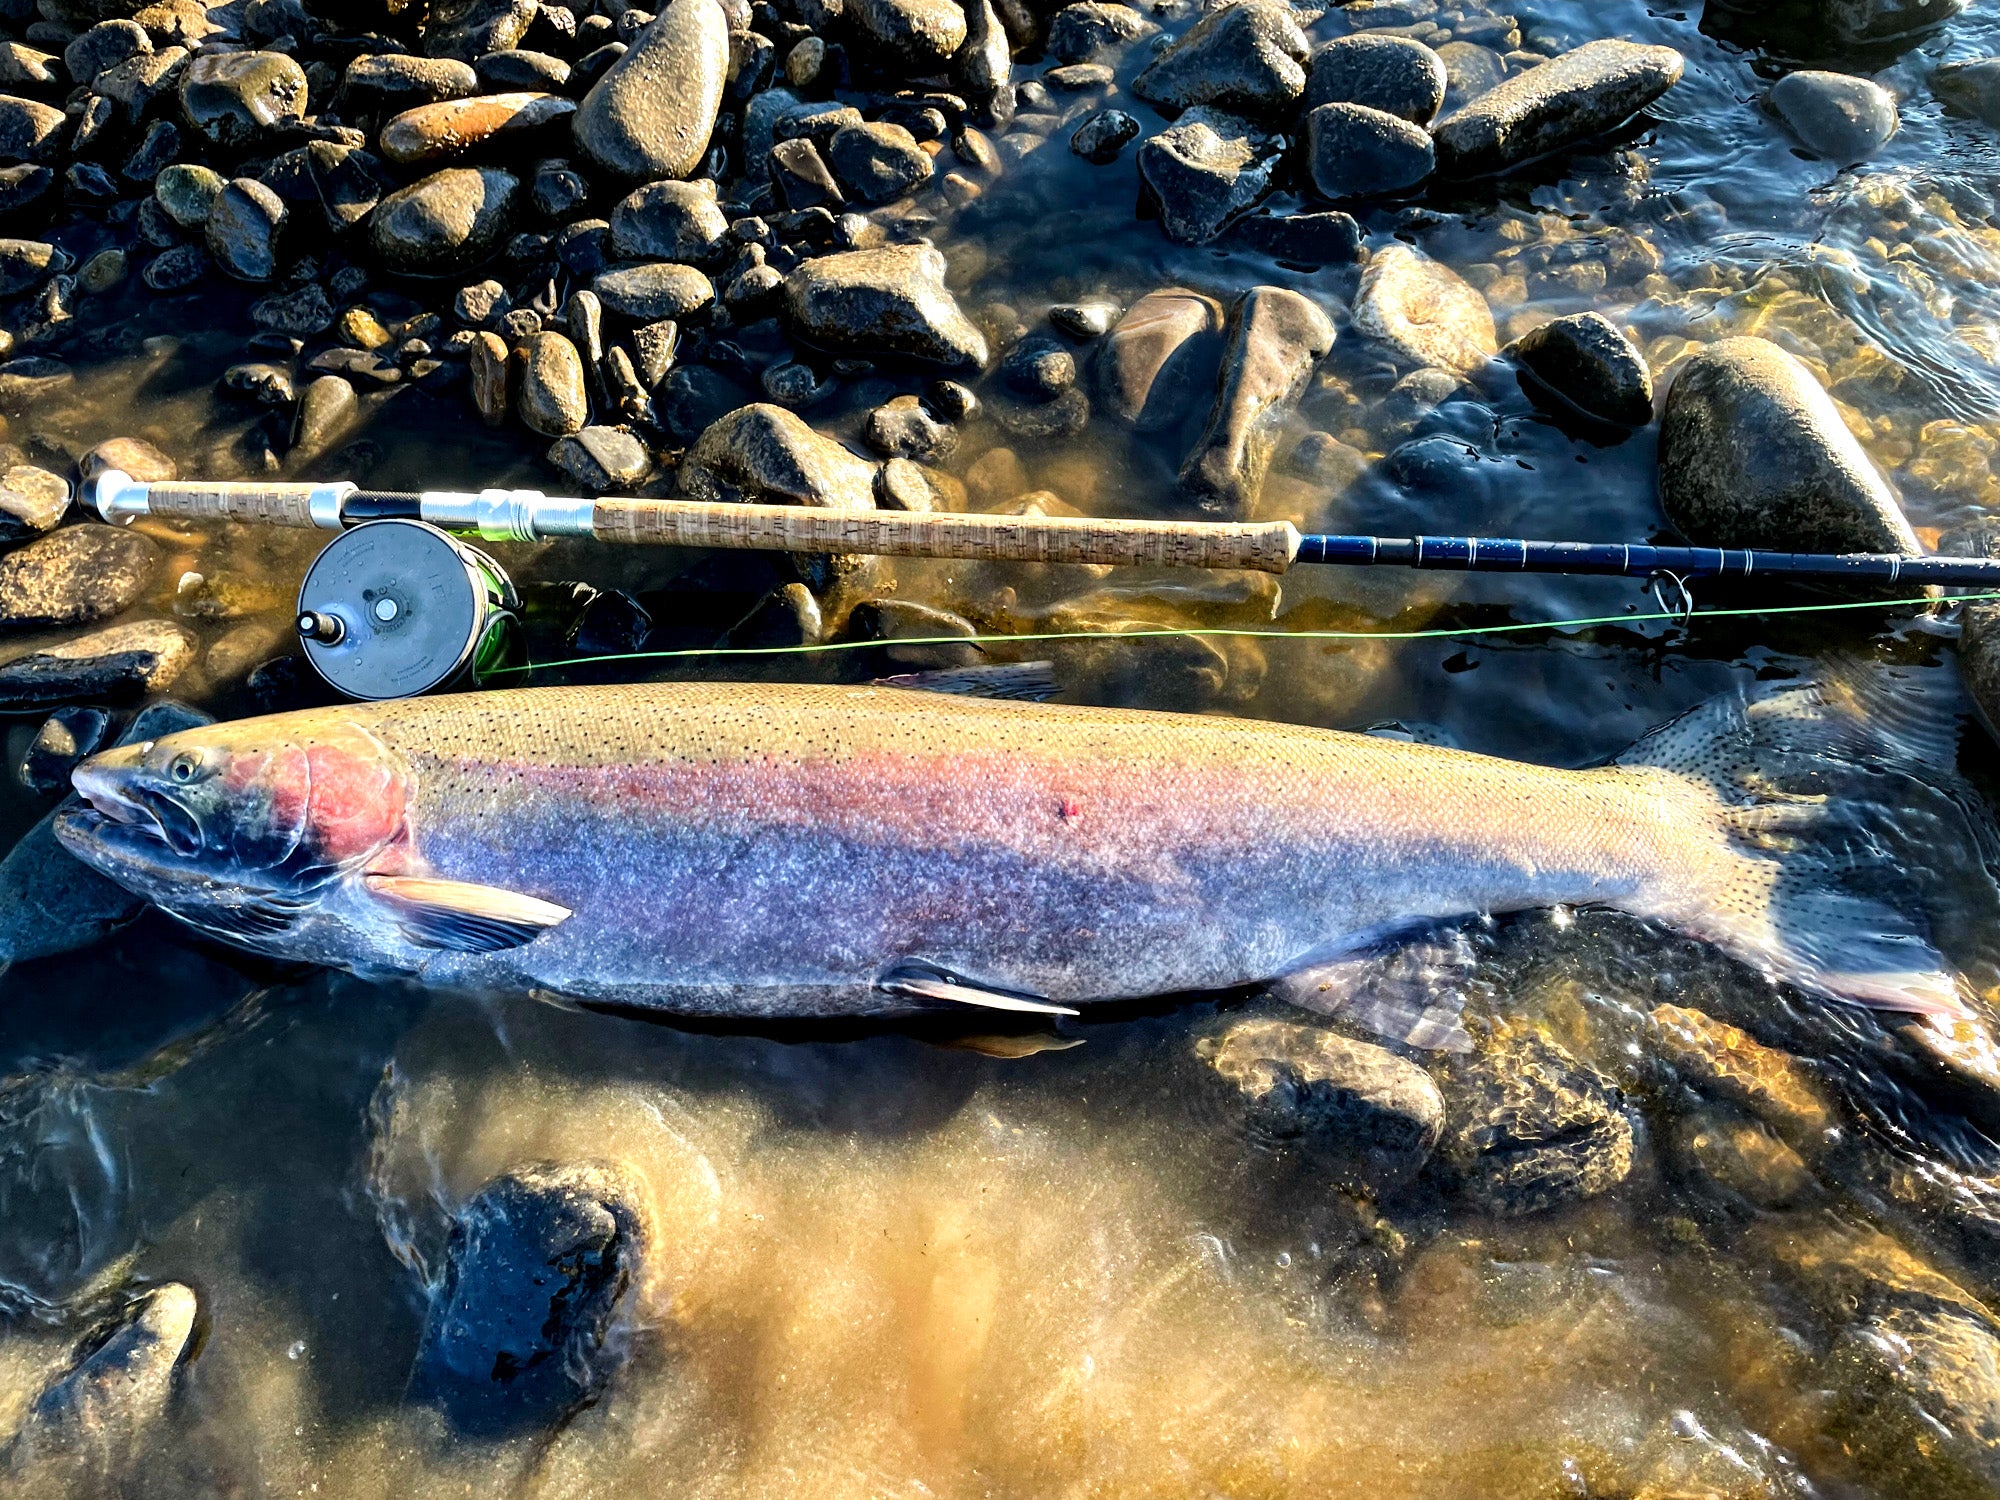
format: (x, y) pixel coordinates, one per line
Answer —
(765, 455)
(1753, 453)
(1327, 238)
(138, 84)
(611, 623)
(950, 400)
(236, 100)
(1531, 1127)
(74, 576)
(459, 127)
(1353, 151)
(920, 36)
(537, 1269)
(466, 29)
(111, 664)
(790, 616)
(394, 82)
(1093, 28)
(1820, 24)
(266, 384)
(65, 738)
(903, 428)
(984, 64)
(653, 290)
(1084, 320)
(1163, 352)
(87, 182)
(301, 313)
(29, 132)
(1041, 369)
(1103, 135)
(333, 182)
(243, 228)
(794, 384)
(692, 397)
(1042, 421)
(1247, 57)
(446, 223)
(1971, 87)
(154, 153)
(175, 270)
(1204, 172)
(1424, 312)
(520, 71)
(654, 346)
(1842, 118)
(558, 191)
(1395, 74)
(889, 300)
(187, 191)
(1355, 1111)
(670, 221)
(104, 45)
(878, 163)
(1275, 339)
(25, 264)
(652, 113)
(552, 399)
(1569, 99)
(802, 177)
(584, 246)
(1077, 78)
(23, 187)
(603, 458)
(1586, 363)
(328, 410)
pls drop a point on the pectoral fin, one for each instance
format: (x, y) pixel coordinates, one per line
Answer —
(921, 981)
(458, 914)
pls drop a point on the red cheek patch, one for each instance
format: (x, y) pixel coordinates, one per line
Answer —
(356, 801)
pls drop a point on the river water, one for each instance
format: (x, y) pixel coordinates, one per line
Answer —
(888, 1263)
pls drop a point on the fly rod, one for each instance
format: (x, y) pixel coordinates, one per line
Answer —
(521, 515)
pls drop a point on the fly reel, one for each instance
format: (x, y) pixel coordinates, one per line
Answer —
(390, 609)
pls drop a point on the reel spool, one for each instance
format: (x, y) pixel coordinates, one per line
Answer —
(390, 609)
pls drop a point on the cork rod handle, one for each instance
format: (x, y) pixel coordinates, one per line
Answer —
(270, 504)
(1266, 546)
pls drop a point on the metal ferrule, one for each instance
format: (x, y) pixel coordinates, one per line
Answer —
(507, 515)
(117, 497)
(324, 502)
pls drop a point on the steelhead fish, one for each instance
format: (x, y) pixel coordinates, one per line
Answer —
(764, 850)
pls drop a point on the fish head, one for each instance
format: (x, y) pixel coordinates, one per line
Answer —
(237, 826)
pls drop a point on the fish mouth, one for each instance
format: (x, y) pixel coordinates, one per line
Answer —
(144, 812)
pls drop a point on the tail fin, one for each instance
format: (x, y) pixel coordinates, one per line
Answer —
(1835, 801)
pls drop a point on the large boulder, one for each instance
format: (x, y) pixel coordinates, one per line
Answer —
(1568, 99)
(888, 300)
(1753, 453)
(1276, 337)
(653, 111)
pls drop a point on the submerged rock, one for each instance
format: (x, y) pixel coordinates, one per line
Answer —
(1276, 337)
(1842, 118)
(889, 300)
(1585, 363)
(1729, 1064)
(1355, 1110)
(1568, 99)
(75, 576)
(32, 500)
(1248, 57)
(1353, 151)
(1396, 74)
(1425, 312)
(652, 114)
(1753, 453)
(1087, 31)
(539, 1266)
(1206, 171)
(765, 455)
(903, 428)
(65, 738)
(1971, 87)
(1163, 352)
(445, 223)
(109, 665)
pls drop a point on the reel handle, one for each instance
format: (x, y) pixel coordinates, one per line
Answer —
(1266, 546)
(120, 499)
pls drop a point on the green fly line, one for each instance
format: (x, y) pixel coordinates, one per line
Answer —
(1238, 632)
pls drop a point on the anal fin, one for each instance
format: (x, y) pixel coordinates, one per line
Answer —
(460, 915)
(922, 981)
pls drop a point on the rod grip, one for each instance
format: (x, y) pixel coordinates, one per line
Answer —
(271, 503)
(1266, 546)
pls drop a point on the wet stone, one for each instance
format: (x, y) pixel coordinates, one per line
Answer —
(23, 186)
(134, 457)
(236, 100)
(1040, 369)
(24, 65)
(519, 70)
(76, 575)
(175, 270)
(32, 501)
(888, 300)
(921, 36)
(1833, 115)
(1163, 353)
(906, 485)
(795, 384)
(1753, 453)
(764, 454)
(1248, 57)
(1569, 99)
(1397, 75)
(29, 131)
(154, 153)
(1971, 87)
(104, 45)
(393, 82)
(652, 113)
(537, 1268)
(1356, 1110)
(1353, 151)
(31, 378)
(552, 399)
(1585, 363)
(136, 87)
(327, 411)
(301, 313)
(610, 623)
(654, 290)
(1470, 70)
(1079, 78)
(789, 616)
(65, 738)
(1328, 237)
(1744, 1159)
(876, 162)
(1103, 135)
(1084, 320)
(109, 665)
(1276, 338)
(445, 223)
(187, 191)
(603, 458)
(1087, 31)
(1037, 420)
(1424, 312)
(670, 220)
(24, 264)
(802, 177)
(458, 127)
(490, 368)
(1204, 172)
(243, 228)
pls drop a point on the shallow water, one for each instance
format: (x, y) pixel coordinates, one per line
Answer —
(885, 1265)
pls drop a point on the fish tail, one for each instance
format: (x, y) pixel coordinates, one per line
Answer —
(1833, 802)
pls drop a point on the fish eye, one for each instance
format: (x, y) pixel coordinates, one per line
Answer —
(184, 766)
